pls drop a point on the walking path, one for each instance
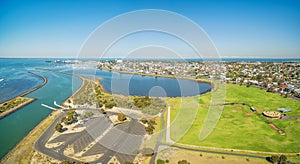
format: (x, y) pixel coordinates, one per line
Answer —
(168, 133)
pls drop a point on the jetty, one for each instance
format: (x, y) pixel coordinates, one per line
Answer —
(59, 105)
(49, 107)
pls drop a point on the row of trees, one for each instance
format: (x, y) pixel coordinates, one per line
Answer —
(67, 120)
(160, 161)
(150, 125)
(282, 159)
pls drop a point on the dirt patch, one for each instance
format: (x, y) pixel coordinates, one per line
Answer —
(239, 107)
(248, 114)
(38, 158)
(233, 111)
(227, 115)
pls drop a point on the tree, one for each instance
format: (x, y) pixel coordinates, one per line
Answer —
(282, 159)
(121, 117)
(58, 127)
(147, 151)
(160, 161)
(274, 158)
(183, 162)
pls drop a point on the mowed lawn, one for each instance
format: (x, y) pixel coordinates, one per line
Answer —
(238, 127)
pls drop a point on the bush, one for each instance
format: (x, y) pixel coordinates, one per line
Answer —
(121, 117)
(58, 127)
(183, 162)
(147, 152)
(160, 161)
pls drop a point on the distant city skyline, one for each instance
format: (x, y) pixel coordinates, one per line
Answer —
(239, 29)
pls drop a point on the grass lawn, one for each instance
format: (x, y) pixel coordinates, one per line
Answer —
(238, 127)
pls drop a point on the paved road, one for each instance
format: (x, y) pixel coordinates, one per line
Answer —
(158, 143)
(56, 153)
(120, 144)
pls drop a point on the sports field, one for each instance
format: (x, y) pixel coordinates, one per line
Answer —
(238, 127)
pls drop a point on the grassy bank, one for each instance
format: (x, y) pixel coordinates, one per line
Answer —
(13, 105)
(238, 127)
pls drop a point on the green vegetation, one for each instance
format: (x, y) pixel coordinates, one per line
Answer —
(150, 126)
(142, 101)
(103, 98)
(121, 117)
(86, 94)
(58, 127)
(238, 127)
(160, 161)
(12, 103)
(93, 93)
(147, 105)
(147, 151)
(183, 162)
(282, 159)
(70, 118)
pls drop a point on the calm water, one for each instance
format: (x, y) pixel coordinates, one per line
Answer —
(137, 85)
(18, 124)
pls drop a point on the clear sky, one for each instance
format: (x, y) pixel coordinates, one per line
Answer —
(239, 28)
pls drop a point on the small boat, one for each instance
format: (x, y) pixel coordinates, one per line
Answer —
(1, 80)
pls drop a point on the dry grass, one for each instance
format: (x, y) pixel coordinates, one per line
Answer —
(199, 157)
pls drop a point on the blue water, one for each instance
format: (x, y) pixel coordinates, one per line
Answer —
(18, 124)
(16, 78)
(137, 85)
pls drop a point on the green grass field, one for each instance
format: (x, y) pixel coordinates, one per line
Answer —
(238, 127)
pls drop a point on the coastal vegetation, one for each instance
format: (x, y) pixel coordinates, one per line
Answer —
(86, 94)
(58, 127)
(146, 104)
(70, 118)
(150, 125)
(239, 127)
(121, 117)
(14, 104)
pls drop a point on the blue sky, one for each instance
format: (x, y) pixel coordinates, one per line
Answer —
(238, 28)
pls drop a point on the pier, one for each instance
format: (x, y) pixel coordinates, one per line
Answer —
(49, 107)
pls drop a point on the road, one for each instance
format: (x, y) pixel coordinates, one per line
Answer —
(56, 153)
(120, 141)
(158, 143)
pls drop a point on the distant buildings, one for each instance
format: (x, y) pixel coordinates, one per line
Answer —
(283, 78)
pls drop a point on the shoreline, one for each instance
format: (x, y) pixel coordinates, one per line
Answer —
(45, 80)
(27, 140)
(12, 110)
(167, 76)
